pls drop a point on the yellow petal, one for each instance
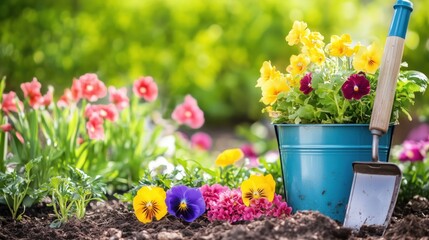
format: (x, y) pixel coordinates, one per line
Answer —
(148, 203)
(257, 187)
(229, 157)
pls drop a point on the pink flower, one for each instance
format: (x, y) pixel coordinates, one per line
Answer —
(76, 90)
(92, 88)
(356, 86)
(6, 127)
(280, 208)
(201, 140)
(10, 102)
(108, 112)
(260, 207)
(189, 113)
(146, 88)
(66, 99)
(94, 127)
(46, 99)
(32, 92)
(230, 207)
(250, 153)
(19, 136)
(211, 193)
(119, 97)
(412, 151)
(306, 84)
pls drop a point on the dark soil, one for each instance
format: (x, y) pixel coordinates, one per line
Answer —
(113, 220)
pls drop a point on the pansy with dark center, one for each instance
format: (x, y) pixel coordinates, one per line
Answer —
(356, 86)
(185, 202)
(306, 87)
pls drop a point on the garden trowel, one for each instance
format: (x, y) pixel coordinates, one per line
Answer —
(376, 184)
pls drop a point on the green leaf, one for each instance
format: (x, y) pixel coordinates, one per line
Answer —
(418, 78)
(55, 224)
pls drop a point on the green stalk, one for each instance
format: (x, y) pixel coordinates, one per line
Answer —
(3, 151)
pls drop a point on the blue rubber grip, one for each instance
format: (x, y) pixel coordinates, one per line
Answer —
(401, 17)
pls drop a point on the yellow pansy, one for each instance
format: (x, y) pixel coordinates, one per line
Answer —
(273, 88)
(258, 187)
(340, 46)
(267, 72)
(299, 30)
(368, 59)
(229, 157)
(298, 64)
(149, 203)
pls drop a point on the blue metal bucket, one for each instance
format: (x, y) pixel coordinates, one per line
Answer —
(316, 162)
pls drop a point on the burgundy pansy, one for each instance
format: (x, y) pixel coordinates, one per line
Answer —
(306, 84)
(356, 86)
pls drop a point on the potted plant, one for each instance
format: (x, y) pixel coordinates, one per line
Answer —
(321, 109)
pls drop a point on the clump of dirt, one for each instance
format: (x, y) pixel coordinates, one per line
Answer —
(114, 220)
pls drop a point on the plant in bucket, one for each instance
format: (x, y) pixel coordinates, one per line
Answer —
(321, 108)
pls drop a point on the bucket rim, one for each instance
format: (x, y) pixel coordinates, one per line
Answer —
(326, 124)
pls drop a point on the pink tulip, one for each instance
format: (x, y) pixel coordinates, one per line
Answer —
(189, 113)
(146, 88)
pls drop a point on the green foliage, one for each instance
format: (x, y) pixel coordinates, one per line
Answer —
(14, 189)
(190, 46)
(129, 144)
(413, 158)
(415, 181)
(410, 82)
(35, 145)
(71, 195)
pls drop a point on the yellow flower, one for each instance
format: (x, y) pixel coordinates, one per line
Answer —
(313, 40)
(340, 46)
(229, 157)
(317, 55)
(273, 88)
(293, 81)
(297, 33)
(267, 72)
(368, 59)
(298, 64)
(149, 203)
(258, 187)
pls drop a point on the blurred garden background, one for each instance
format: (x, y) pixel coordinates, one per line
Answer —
(212, 50)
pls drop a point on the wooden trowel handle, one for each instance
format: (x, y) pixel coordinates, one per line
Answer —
(389, 70)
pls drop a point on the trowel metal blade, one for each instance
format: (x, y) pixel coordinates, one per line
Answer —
(373, 196)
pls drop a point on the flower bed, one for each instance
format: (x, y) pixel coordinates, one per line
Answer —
(97, 141)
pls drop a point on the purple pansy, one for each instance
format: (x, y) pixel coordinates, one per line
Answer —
(185, 202)
(356, 86)
(306, 84)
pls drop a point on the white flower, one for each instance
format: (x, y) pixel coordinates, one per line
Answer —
(160, 166)
(168, 142)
